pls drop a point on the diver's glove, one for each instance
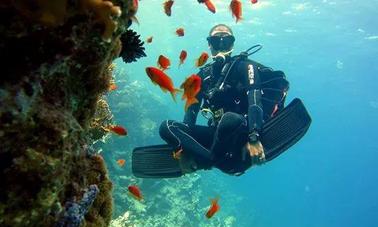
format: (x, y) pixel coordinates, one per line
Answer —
(255, 148)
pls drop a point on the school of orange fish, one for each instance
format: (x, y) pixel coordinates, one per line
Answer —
(191, 85)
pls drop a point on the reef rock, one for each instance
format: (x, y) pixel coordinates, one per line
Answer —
(54, 58)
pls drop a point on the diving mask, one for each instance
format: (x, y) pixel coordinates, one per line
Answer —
(221, 42)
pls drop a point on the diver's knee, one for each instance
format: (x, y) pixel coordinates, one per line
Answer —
(231, 117)
(230, 120)
(229, 124)
(163, 129)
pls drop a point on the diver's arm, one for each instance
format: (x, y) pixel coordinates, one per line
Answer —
(255, 110)
(192, 112)
(255, 113)
(255, 122)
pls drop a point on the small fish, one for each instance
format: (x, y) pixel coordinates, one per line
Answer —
(214, 207)
(158, 77)
(191, 86)
(135, 4)
(135, 192)
(275, 108)
(112, 86)
(253, 1)
(121, 162)
(183, 56)
(202, 59)
(163, 62)
(167, 7)
(209, 4)
(177, 155)
(180, 32)
(149, 39)
(236, 9)
(119, 130)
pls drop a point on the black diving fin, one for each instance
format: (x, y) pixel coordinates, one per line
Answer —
(155, 162)
(285, 129)
(278, 134)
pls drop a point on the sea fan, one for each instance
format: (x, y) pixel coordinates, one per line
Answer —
(132, 46)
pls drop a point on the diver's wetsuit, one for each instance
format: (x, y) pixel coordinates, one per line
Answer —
(232, 91)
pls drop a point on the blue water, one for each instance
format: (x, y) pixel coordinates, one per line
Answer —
(329, 52)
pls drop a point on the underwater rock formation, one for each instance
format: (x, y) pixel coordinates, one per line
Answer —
(101, 119)
(54, 58)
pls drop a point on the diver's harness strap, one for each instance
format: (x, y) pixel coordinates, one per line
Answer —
(216, 115)
(210, 113)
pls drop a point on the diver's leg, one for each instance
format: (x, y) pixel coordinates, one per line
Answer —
(203, 134)
(180, 136)
(230, 134)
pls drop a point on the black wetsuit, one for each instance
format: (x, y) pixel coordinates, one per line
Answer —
(242, 94)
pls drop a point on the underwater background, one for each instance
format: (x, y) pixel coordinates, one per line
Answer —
(328, 50)
(71, 70)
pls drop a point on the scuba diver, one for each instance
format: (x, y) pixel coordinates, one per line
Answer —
(248, 123)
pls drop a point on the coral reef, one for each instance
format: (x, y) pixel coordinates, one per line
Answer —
(178, 202)
(103, 12)
(55, 57)
(102, 118)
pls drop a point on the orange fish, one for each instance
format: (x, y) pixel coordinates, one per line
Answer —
(183, 56)
(191, 86)
(236, 9)
(119, 130)
(202, 59)
(253, 1)
(135, 192)
(167, 7)
(213, 208)
(275, 108)
(180, 32)
(209, 4)
(163, 62)
(121, 162)
(135, 4)
(112, 86)
(149, 39)
(158, 77)
(177, 155)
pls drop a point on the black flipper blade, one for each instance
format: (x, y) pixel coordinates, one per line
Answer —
(285, 129)
(155, 162)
